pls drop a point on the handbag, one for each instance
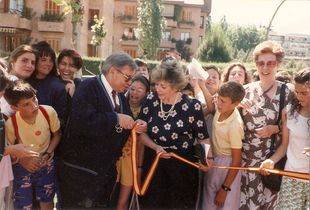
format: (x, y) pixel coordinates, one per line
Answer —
(199, 153)
(273, 181)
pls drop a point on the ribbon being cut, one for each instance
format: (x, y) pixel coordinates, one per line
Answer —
(141, 190)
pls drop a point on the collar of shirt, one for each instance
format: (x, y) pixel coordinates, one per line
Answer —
(109, 89)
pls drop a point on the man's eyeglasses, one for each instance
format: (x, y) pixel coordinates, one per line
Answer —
(127, 78)
(269, 64)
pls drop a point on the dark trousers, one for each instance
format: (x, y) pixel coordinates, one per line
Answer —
(77, 185)
(174, 185)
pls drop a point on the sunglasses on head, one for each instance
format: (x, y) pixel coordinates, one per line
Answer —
(268, 63)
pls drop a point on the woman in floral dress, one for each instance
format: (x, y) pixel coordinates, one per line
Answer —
(174, 121)
(260, 111)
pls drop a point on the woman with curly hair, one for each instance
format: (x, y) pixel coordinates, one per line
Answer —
(260, 111)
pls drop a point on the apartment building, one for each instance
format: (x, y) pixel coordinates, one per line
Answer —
(295, 45)
(28, 21)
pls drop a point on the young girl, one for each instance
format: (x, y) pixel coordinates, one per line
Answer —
(237, 72)
(295, 193)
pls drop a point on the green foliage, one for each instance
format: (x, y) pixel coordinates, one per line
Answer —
(215, 46)
(244, 39)
(91, 64)
(49, 17)
(73, 7)
(183, 49)
(187, 22)
(177, 13)
(150, 27)
(27, 13)
(126, 17)
(98, 30)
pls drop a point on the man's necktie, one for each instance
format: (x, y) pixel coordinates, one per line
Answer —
(117, 107)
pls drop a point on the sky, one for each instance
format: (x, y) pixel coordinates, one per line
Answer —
(292, 17)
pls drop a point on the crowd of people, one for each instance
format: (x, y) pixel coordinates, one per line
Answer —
(70, 138)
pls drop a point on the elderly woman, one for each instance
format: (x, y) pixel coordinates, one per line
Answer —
(174, 122)
(260, 111)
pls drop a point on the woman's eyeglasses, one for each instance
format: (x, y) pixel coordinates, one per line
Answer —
(127, 78)
(269, 64)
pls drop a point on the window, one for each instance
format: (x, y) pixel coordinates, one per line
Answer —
(16, 6)
(166, 35)
(92, 51)
(6, 4)
(168, 10)
(130, 10)
(129, 33)
(186, 15)
(51, 7)
(131, 52)
(55, 43)
(202, 21)
(184, 36)
(91, 15)
(9, 42)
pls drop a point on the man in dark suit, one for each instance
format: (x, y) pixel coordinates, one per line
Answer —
(100, 124)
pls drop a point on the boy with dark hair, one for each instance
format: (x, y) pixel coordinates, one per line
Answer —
(4, 80)
(222, 189)
(37, 127)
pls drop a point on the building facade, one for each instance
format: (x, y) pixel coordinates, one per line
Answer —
(29, 21)
(296, 46)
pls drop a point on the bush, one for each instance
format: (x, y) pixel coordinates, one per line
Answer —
(91, 64)
(49, 17)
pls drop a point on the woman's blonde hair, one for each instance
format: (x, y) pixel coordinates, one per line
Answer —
(20, 50)
(170, 71)
(269, 47)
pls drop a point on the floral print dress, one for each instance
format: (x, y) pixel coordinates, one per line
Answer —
(174, 184)
(263, 111)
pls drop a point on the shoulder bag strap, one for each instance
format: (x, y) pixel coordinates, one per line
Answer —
(44, 112)
(281, 106)
(2, 136)
(15, 127)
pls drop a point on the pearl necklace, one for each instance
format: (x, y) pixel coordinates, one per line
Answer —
(164, 114)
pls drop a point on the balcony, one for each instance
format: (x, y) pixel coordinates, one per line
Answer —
(51, 26)
(188, 24)
(15, 21)
(128, 19)
(129, 41)
(167, 44)
(171, 23)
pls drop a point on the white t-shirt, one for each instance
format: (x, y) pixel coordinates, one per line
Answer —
(299, 138)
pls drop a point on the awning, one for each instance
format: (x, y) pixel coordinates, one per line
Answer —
(7, 30)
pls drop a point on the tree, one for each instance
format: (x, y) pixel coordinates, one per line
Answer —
(215, 46)
(244, 39)
(98, 31)
(150, 26)
(184, 50)
(76, 9)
